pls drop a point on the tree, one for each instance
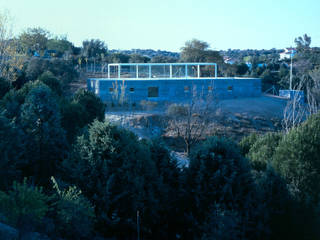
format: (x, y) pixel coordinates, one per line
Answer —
(52, 82)
(137, 58)
(313, 92)
(75, 214)
(10, 64)
(191, 121)
(61, 69)
(59, 44)
(93, 106)
(218, 177)
(115, 171)
(247, 142)
(24, 205)
(94, 48)
(45, 139)
(170, 220)
(198, 51)
(242, 69)
(34, 40)
(303, 43)
(296, 159)
(10, 152)
(119, 58)
(4, 87)
(163, 59)
(261, 152)
(71, 111)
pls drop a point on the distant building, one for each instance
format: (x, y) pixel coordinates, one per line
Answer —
(228, 60)
(287, 53)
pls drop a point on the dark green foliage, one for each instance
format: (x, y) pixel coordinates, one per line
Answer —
(222, 224)
(218, 174)
(4, 87)
(23, 203)
(281, 211)
(94, 48)
(94, 108)
(119, 58)
(242, 69)
(33, 39)
(52, 82)
(261, 152)
(297, 159)
(169, 216)
(73, 118)
(13, 100)
(10, 152)
(115, 171)
(74, 213)
(61, 69)
(247, 142)
(44, 137)
(60, 45)
(198, 51)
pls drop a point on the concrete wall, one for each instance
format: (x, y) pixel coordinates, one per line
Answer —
(174, 90)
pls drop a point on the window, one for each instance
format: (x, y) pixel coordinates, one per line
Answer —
(186, 89)
(131, 89)
(111, 89)
(230, 88)
(153, 91)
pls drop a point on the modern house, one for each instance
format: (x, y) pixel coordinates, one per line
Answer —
(169, 82)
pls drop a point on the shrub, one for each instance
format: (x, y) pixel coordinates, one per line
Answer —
(4, 87)
(115, 172)
(261, 152)
(94, 108)
(23, 202)
(75, 214)
(297, 159)
(247, 142)
(52, 82)
(218, 174)
(10, 152)
(177, 110)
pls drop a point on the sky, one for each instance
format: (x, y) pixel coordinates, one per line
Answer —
(168, 24)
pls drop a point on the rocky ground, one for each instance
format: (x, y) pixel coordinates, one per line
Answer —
(235, 118)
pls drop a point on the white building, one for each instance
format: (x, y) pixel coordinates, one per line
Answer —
(287, 53)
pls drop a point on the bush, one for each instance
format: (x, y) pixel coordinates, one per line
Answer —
(94, 108)
(261, 152)
(72, 118)
(247, 142)
(75, 214)
(4, 87)
(46, 145)
(62, 69)
(177, 110)
(23, 203)
(52, 82)
(10, 152)
(297, 159)
(115, 172)
(218, 174)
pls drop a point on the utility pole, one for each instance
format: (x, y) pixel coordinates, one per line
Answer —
(290, 87)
